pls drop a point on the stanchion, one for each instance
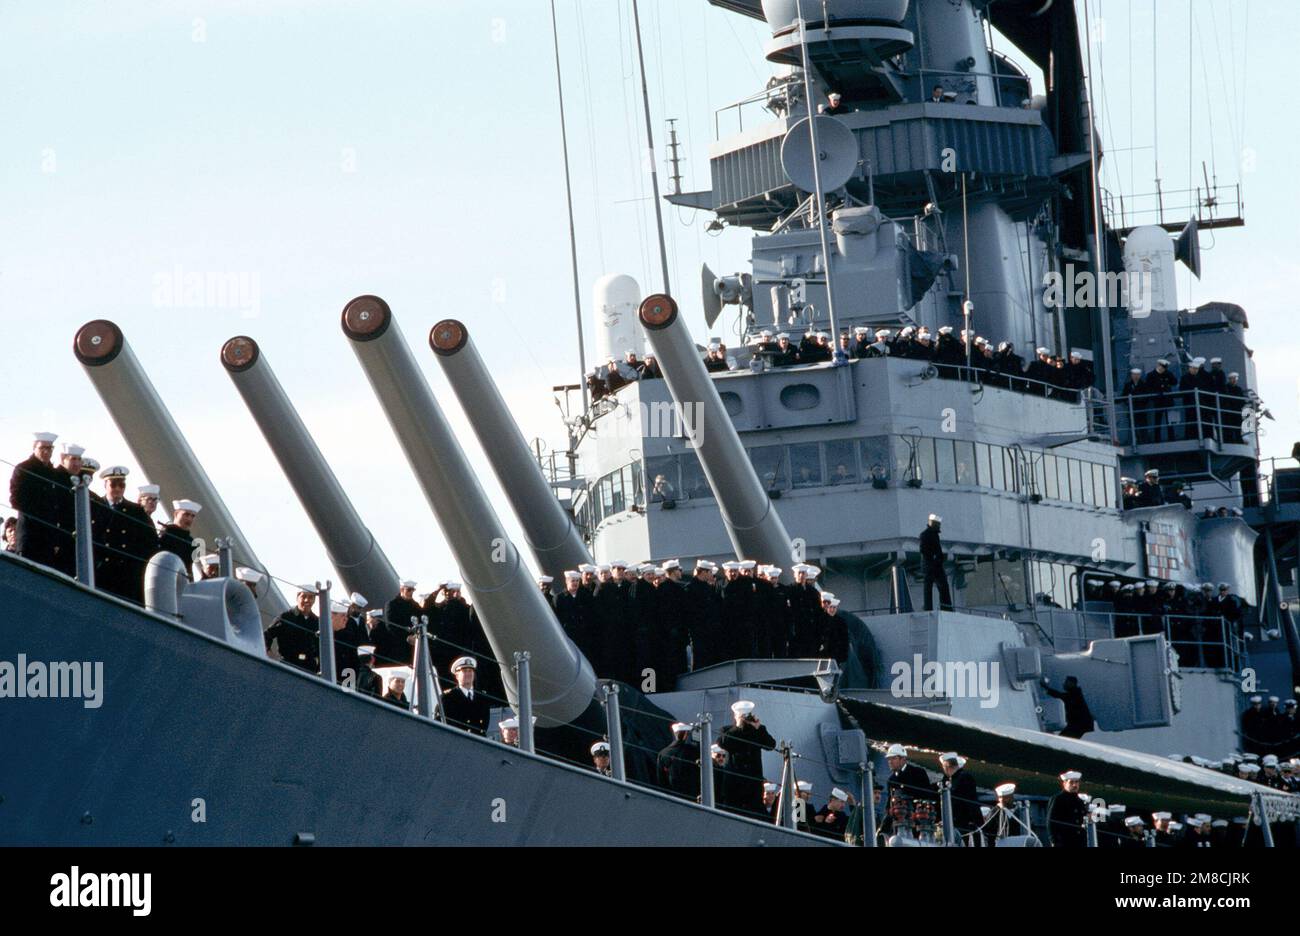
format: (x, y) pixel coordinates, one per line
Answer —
(327, 668)
(706, 760)
(525, 683)
(85, 537)
(614, 721)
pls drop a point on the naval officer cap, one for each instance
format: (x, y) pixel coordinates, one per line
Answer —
(45, 437)
(896, 750)
(115, 472)
(1071, 775)
(72, 448)
(187, 505)
(465, 662)
(1005, 789)
(743, 707)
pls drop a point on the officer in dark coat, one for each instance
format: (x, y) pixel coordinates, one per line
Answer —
(296, 634)
(805, 612)
(34, 489)
(670, 637)
(463, 706)
(124, 539)
(932, 557)
(1159, 384)
(905, 777)
(1150, 494)
(703, 611)
(176, 537)
(1066, 814)
(966, 815)
(738, 612)
(575, 607)
(404, 607)
(745, 742)
(1078, 717)
(1134, 390)
(677, 767)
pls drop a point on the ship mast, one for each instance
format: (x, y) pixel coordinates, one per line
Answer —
(650, 145)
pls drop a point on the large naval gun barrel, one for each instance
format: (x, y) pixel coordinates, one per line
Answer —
(360, 561)
(512, 610)
(158, 445)
(755, 528)
(551, 533)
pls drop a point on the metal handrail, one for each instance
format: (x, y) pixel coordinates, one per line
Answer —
(1184, 416)
(1227, 649)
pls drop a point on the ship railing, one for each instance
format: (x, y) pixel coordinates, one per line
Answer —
(1277, 483)
(774, 93)
(1020, 85)
(1212, 206)
(1197, 416)
(956, 609)
(1202, 641)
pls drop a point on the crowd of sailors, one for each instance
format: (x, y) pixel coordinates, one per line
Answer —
(1201, 621)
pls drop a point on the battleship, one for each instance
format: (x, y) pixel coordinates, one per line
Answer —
(935, 191)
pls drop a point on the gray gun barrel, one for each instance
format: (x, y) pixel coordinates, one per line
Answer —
(550, 532)
(512, 610)
(158, 445)
(353, 552)
(755, 528)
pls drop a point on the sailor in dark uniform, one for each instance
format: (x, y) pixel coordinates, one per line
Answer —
(1235, 407)
(296, 633)
(1003, 821)
(404, 607)
(66, 473)
(1078, 717)
(1041, 372)
(34, 490)
(1134, 390)
(1159, 382)
(932, 557)
(806, 613)
(368, 680)
(600, 758)
(905, 777)
(545, 584)
(861, 341)
(349, 628)
(703, 616)
(835, 105)
(729, 788)
(745, 741)
(1150, 494)
(832, 820)
(176, 537)
(396, 694)
(464, 707)
(1137, 833)
(1066, 814)
(124, 539)
(966, 815)
(834, 631)
(677, 767)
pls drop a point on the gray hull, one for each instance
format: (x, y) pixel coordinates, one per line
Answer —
(274, 753)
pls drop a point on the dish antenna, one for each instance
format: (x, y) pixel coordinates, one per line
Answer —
(837, 149)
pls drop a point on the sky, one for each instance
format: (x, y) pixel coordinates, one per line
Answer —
(315, 151)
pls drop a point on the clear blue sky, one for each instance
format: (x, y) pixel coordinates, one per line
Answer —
(411, 149)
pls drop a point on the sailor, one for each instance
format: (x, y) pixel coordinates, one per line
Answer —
(880, 348)
(1166, 833)
(1137, 833)
(834, 105)
(729, 788)
(509, 728)
(1235, 408)
(396, 694)
(1134, 390)
(906, 778)
(738, 613)
(614, 378)
(66, 473)
(834, 631)
(966, 816)
(805, 614)
(147, 498)
(1040, 372)
(1078, 372)
(1066, 814)
(932, 557)
(1159, 382)
(745, 741)
(770, 800)
(296, 633)
(124, 539)
(1003, 822)
(861, 341)
(574, 607)
(34, 491)
(1078, 717)
(1191, 386)
(1150, 494)
(921, 347)
(348, 626)
(600, 758)
(831, 820)
(368, 681)
(176, 537)
(463, 706)
(650, 369)
(404, 607)
(702, 616)
(209, 566)
(545, 584)
(677, 767)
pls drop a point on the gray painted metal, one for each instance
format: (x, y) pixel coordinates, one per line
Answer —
(358, 559)
(426, 700)
(158, 445)
(869, 797)
(513, 612)
(262, 737)
(949, 830)
(614, 722)
(549, 531)
(753, 525)
(85, 537)
(164, 583)
(707, 797)
(327, 666)
(225, 558)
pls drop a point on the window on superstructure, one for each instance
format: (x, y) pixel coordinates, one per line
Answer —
(694, 483)
(1051, 478)
(945, 466)
(770, 463)
(664, 466)
(841, 462)
(925, 460)
(966, 473)
(875, 459)
(618, 503)
(806, 465)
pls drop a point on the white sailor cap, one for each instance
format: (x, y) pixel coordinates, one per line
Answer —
(1233, 376)
(189, 505)
(1216, 360)
(604, 567)
(1075, 354)
(1219, 824)
(827, 596)
(145, 490)
(748, 564)
(1162, 816)
(907, 331)
(825, 335)
(452, 586)
(783, 336)
(1204, 816)
(743, 707)
(1135, 371)
(773, 571)
(833, 603)
(49, 437)
(672, 564)
(883, 333)
(245, 574)
(1005, 789)
(705, 565)
(1152, 584)
(713, 346)
(1133, 821)
(210, 559)
(952, 757)
(587, 567)
(766, 333)
(810, 571)
(946, 330)
(115, 471)
(645, 568)
(1197, 362)
(966, 332)
(1041, 351)
(619, 564)
(861, 330)
(769, 787)
(717, 749)
(731, 566)
(679, 727)
(896, 750)
(923, 332)
(508, 723)
(1115, 582)
(1272, 698)
(1192, 821)
(1163, 362)
(935, 518)
(1117, 808)
(803, 786)
(358, 599)
(366, 650)
(545, 579)
(1151, 473)
(338, 607)
(1270, 760)
(837, 793)
(599, 748)
(1071, 775)
(72, 448)
(1175, 826)
(465, 662)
